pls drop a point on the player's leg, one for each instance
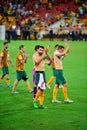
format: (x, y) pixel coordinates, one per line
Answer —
(34, 82)
(2, 76)
(8, 81)
(35, 90)
(55, 92)
(41, 98)
(38, 94)
(28, 86)
(66, 99)
(50, 80)
(18, 78)
(41, 106)
(25, 78)
(6, 72)
(15, 86)
(56, 87)
(64, 90)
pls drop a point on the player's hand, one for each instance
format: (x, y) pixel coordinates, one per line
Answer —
(26, 56)
(66, 43)
(47, 49)
(65, 40)
(0, 66)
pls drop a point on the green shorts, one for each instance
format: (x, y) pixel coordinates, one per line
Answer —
(53, 71)
(5, 70)
(59, 77)
(37, 76)
(21, 75)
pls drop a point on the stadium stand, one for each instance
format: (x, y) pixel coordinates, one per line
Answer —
(34, 16)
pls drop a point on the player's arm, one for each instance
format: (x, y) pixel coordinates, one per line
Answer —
(26, 56)
(9, 61)
(23, 60)
(1, 56)
(48, 55)
(60, 54)
(67, 46)
(65, 51)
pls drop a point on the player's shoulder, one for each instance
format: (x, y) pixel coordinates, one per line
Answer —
(35, 54)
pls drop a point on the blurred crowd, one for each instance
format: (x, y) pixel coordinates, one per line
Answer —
(25, 18)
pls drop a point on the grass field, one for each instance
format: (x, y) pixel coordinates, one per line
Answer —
(17, 112)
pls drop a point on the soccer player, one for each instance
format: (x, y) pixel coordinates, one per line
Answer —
(4, 62)
(39, 65)
(58, 57)
(21, 74)
(53, 68)
(33, 73)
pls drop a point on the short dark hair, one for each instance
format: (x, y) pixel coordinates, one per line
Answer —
(60, 47)
(56, 45)
(36, 47)
(21, 46)
(42, 47)
(5, 43)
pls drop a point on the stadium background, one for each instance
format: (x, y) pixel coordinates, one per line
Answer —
(38, 18)
(44, 19)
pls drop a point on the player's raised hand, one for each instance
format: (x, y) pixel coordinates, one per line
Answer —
(26, 56)
(67, 45)
(66, 42)
(47, 49)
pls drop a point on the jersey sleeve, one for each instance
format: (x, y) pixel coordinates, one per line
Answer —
(19, 57)
(1, 54)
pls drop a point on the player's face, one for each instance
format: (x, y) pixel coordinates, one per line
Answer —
(40, 51)
(23, 49)
(56, 48)
(6, 46)
(61, 50)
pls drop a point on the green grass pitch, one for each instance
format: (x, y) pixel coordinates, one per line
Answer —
(17, 112)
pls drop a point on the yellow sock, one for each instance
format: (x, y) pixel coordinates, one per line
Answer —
(0, 79)
(38, 94)
(29, 87)
(42, 98)
(13, 89)
(50, 80)
(65, 92)
(55, 93)
(8, 82)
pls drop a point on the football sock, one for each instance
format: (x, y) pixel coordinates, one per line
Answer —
(8, 82)
(14, 88)
(29, 87)
(50, 80)
(38, 94)
(65, 92)
(35, 91)
(55, 91)
(0, 79)
(41, 98)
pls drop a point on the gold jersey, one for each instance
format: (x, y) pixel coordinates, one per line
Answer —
(19, 63)
(4, 57)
